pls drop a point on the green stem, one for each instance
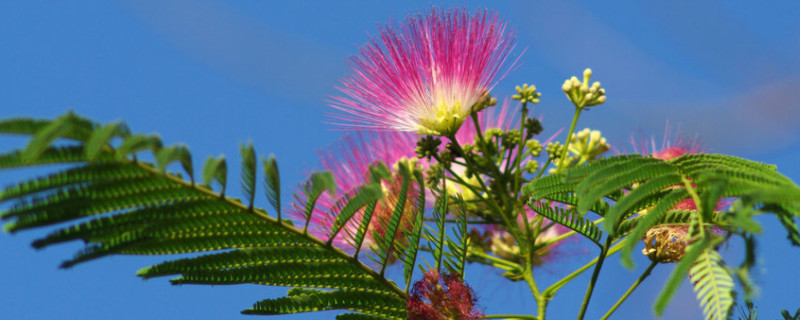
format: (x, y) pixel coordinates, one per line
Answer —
(507, 219)
(518, 158)
(497, 260)
(593, 281)
(541, 302)
(544, 167)
(550, 291)
(569, 138)
(630, 290)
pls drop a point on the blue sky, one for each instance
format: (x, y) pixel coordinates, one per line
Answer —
(213, 74)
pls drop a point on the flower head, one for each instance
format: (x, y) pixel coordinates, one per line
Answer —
(672, 145)
(442, 297)
(425, 74)
(349, 160)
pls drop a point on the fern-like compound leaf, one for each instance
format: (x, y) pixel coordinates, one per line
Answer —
(590, 190)
(305, 300)
(386, 241)
(637, 199)
(570, 219)
(248, 174)
(101, 138)
(178, 153)
(272, 183)
(693, 252)
(117, 204)
(136, 143)
(363, 196)
(713, 285)
(215, 169)
(409, 252)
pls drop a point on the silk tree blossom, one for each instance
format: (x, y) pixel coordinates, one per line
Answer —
(349, 161)
(425, 74)
(442, 297)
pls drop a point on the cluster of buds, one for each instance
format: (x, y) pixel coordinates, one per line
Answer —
(583, 95)
(527, 94)
(588, 144)
(554, 150)
(427, 147)
(533, 127)
(486, 100)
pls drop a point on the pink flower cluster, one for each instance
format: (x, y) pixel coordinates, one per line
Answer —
(442, 297)
(424, 75)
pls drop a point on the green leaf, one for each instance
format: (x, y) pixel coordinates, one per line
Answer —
(318, 183)
(272, 183)
(713, 285)
(44, 137)
(637, 199)
(135, 143)
(123, 206)
(363, 228)
(570, 219)
(171, 154)
(391, 228)
(248, 173)
(363, 196)
(693, 252)
(101, 138)
(409, 255)
(591, 191)
(302, 300)
(458, 245)
(216, 169)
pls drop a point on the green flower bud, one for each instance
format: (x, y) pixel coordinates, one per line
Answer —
(427, 147)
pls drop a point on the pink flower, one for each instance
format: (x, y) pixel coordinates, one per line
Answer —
(672, 145)
(442, 297)
(349, 160)
(425, 74)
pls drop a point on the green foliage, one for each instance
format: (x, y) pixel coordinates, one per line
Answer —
(348, 206)
(570, 219)
(458, 244)
(101, 138)
(386, 239)
(248, 173)
(305, 300)
(318, 182)
(409, 251)
(713, 285)
(788, 316)
(117, 204)
(272, 182)
(644, 193)
(215, 169)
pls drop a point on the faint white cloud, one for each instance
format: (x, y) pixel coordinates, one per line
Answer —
(249, 51)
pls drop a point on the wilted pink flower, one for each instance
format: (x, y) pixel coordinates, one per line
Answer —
(425, 74)
(349, 160)
(442, 297)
